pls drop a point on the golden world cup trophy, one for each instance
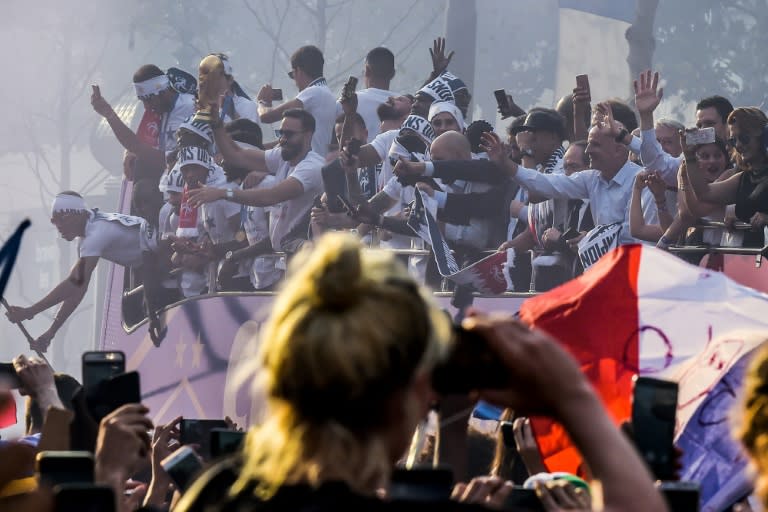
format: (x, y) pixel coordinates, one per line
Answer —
(212, 83)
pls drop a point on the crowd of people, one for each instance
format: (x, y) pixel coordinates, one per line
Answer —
(348, 364)
(557, 191)
(348, 352)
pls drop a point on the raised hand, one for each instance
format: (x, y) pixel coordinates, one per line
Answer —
(439, 60)
(265, 94)
(603, 119)
(491, 143)
(99, 104)
(656, 184)
(647, 92)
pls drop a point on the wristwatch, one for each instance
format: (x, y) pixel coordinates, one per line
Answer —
(230, 194)
(228, 255)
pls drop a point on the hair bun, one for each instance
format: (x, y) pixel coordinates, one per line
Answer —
(338, 274)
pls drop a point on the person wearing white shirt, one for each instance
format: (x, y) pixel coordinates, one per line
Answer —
(297, 171)
(121, 239)
(378, 71)
(314, 96)
(607, 185)
(154, 90)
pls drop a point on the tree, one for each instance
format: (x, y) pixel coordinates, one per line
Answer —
(710, 47)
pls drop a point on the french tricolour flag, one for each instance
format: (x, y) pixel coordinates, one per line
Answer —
(642, 311)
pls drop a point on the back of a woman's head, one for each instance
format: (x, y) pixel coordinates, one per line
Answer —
(348, 330)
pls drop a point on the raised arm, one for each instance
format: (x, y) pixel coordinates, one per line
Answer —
(125, 136)
(268, 113)
(542, 370)
(250, 158)
(648, 95)
(287, 189)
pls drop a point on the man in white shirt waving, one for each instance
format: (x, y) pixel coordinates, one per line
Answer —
(122, 239)
(314, 96)
(297, 171)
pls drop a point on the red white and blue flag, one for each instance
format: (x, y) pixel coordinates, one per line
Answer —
(640, 310)
(486, 276)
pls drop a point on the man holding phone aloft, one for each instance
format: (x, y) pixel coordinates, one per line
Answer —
(314, 96)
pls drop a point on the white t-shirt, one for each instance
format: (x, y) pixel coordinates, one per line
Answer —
(285, 216)
(319, 101)
(244, 108)
(382, 143)
(368, 101)
(182, 110)
(217, 217)
(117, 238)
(263, 270)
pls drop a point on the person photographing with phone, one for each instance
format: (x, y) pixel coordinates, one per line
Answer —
(347, 363)
(748, 188)
(314, 96)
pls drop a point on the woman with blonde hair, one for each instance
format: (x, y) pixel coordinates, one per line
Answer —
(346, 366)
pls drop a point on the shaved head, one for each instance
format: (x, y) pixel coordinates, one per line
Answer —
(451, 146)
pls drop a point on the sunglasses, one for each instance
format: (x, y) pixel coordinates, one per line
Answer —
(290, 74)
(286, 134)
(744, 138)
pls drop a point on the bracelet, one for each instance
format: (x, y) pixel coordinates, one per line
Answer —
(264, 103)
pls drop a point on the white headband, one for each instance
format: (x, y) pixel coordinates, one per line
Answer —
(154, 85)
(445, 106)
(66, 203)
(194, 155)
(200, 125)
(439, 89)
(172, 181)
(421, 126)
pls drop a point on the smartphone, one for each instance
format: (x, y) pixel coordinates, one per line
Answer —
(421, 484)
(349, 88)
(9, 376)
(277, 95)
(64, 467)
(696, 137)
(582, 82)
(113, 393)
(225, 442)
(654, 405)
(84, 498)
(503, 103)
(199, 432)
(523, 500)
(123, 389)
(99, 366)
(353, 146)
(571, 233)
(681, 496)
(470, 365)
(335, 185)
(183, 466)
